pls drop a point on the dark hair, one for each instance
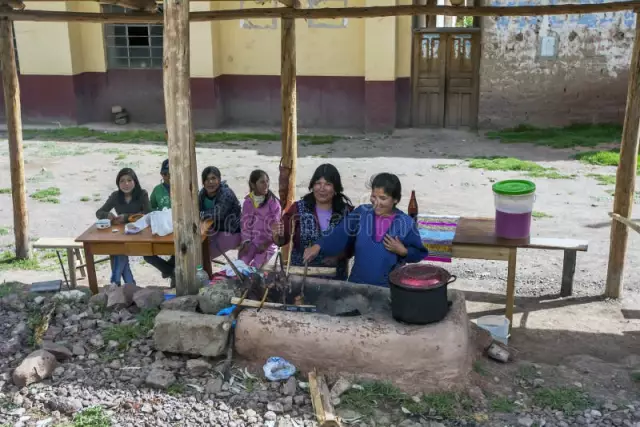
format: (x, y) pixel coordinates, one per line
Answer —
(255, 177)
(330, 174)
(389, 183)
(210, 170)
(137, 189)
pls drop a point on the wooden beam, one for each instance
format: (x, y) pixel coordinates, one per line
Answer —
(145, 5)
(184, 187)
(632, 225)
(13, 115)
(626, 175)
(321, 401)
(342, 12)
(289, 109)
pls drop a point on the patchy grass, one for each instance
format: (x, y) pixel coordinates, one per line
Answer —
(479, 368)
(444, 166)
(603, 179)
(82, 133)
(602, 158)
(531, 169)
(4, 231)
(5, 191)
(540, 215)
(8, 261)
(635, 376)
(43, 175)
(8, 288)
(124, 334)
(384, 395)
(527, 372)
(85, 199)
(92, 417)
(577, 135)
(121, 156)
(502, 405)
(175, 389)
(125, 164)
(48, 195)
(54, 149)
(562, 399)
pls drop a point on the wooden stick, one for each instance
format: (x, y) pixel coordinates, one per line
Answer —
(12, 110)
(255, 304)
(626, 176)
(177, 97)
(632, 225)
(264, 298)
(334, 12)
(313, 271)
(292, 233)
(321, 401)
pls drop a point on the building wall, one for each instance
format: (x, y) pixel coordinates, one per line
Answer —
(351, 73)
(585, 79)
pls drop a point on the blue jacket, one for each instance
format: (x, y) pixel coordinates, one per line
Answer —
(373, 263)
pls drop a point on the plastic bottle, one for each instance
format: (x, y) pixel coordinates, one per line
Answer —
(202, 276)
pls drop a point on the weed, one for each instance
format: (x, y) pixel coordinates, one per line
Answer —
(48, 195)
(540, 215)
(250, 384)
(502, 404)
(5, 191)
(54, 149)
(8, 261)
(527, 372)
(443, 166)
(124, 334)
(175, 389)
(85, 199)
(8, 288)
(43, 175)
(120, 164)
(532, 169)
(603, 179)
(479, 368)
(38, 323)
(562, 399)
(111, 151)
(577, 135)
(121, 156)
(4, 231)
(635, 376)
(448, 405)
(602, 158)
(146, 319)
(92, 417)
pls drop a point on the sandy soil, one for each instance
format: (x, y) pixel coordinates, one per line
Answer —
(432, 163)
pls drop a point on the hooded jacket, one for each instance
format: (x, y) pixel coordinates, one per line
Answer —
(257, 222)
(225, 212)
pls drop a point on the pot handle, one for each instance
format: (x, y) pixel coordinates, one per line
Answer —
(452, 279)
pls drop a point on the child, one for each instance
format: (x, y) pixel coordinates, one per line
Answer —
(385, 237)
(128, 200)
(261, 209)
(160, 199)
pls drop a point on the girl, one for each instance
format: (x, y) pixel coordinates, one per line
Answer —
(261, 209)
(385, 237)
(128, 200)
(160, 199)
(219, 203)
(315, 216)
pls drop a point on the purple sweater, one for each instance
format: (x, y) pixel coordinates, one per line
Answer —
(256, 223)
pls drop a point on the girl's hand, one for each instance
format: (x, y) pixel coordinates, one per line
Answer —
(264, 246)
(111, 217)
(393, 244)
(244, 246)
(311, 253)
(118, 220)
(277, 229)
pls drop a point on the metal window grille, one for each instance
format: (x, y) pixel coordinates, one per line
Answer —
(132, 45)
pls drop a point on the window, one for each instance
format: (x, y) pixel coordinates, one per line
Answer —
(133, 45)
(327, 22)
(259, 23)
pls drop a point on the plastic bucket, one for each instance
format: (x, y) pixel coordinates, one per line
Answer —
(169, 295)
(497, 326)
(514, 201)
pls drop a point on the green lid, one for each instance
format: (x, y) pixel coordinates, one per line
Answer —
(199, 267)
(514, 187)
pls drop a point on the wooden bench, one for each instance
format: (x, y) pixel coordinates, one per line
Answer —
(75, 257)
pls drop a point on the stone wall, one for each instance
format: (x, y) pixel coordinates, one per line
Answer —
(524, 79)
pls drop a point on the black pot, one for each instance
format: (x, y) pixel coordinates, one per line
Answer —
(419, 293)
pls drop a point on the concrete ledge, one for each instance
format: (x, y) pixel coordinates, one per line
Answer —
(191, 333)
(374, 346)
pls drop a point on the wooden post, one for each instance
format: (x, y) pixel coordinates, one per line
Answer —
(14, 127)
(184, 187)
(289, 112)
(626, 176)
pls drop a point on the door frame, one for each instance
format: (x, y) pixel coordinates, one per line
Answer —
(475, 58)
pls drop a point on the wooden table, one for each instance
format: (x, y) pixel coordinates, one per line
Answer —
(476, 239)
(107, 242)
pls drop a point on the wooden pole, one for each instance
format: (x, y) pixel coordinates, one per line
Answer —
(13, 115)
(626, 176)
(184, 188)
(332, 12)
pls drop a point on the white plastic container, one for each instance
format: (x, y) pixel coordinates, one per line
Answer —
(497, 326)
(514, 205)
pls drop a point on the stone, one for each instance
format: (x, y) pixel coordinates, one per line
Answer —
(409, 423)
(116, 298)
(270, 416)
(39, 300)
(214, 386)
(183, 303)
(197, 367)
(340, 387)
(191, 333)
(525, 421)
(148, 298)
(78, 350)
(595, 413)
(290, 386)
(10, 346)
(215, 298)
(36, 367)
(20, 330)
(276, 407)
(538, 382)
(73, 295)
(99, 300)
(65, 405)
(97, 341)
(160, 379)
(61, 352)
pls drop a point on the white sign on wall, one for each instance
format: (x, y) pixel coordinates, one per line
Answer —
(548, 47)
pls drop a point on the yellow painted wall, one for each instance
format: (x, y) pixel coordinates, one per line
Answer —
(200, 41)
(403, 43)
(86, 40)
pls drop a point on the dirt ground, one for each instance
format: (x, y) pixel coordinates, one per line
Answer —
(547, 329)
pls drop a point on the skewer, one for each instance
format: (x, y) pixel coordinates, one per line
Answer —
(264, 298)
(293, 232)
(243, 297)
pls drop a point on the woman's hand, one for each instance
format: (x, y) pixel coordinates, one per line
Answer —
(277, 229)
(393, 244)
(244, 247)
(118, 220)
(311, 253)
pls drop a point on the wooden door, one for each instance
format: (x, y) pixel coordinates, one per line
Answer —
(445, 78)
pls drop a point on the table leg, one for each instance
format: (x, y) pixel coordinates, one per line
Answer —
(83, 271)
(511, 286)
(91, 268)
(71, 260)
(206, 258)
(568, 271)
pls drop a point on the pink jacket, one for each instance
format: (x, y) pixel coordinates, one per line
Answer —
(256, 223)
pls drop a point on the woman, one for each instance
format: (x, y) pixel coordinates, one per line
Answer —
(385, 237)
(315, 216)
(219, 203)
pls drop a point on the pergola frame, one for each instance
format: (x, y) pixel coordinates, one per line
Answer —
(181, 144)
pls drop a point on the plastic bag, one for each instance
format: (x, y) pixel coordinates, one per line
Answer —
(278, 369)
(161, 222)
(138, 226)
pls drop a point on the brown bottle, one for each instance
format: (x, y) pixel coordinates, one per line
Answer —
(412, 211)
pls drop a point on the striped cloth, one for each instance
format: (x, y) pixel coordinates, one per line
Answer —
(437, 233)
